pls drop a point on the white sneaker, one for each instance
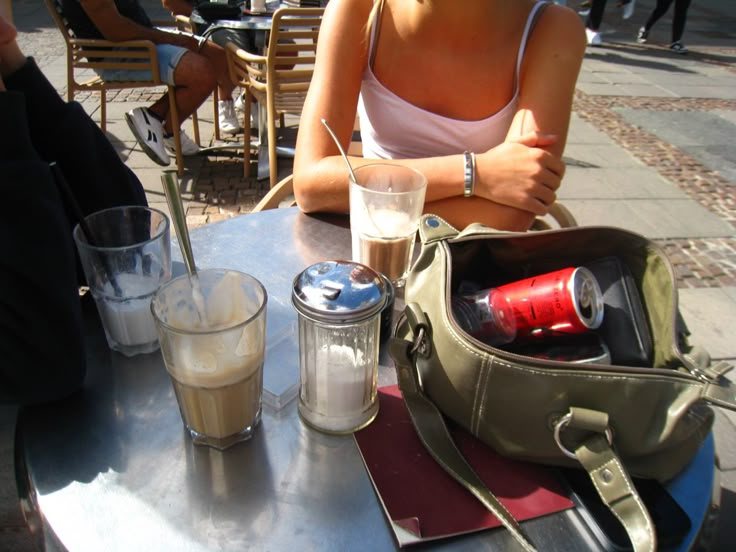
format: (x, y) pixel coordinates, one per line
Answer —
(188, 146)
(239, 103)
(628, 9)
(594, 37)
(239, 109)
(227, 117)
(149, 132)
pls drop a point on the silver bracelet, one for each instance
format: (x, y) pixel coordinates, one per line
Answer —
(469, 173)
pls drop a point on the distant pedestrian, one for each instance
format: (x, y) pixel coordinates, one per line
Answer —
(595, 16)
(678, 23)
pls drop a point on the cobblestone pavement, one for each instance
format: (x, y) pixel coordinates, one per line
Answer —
(698, 263)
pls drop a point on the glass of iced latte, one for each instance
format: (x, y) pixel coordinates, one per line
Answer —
(385, 206)
(212, 330)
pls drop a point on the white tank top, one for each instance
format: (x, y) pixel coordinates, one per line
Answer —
(392, 128)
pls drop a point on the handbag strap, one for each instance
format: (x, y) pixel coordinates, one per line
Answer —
(595, 453)
(434, 435)
(609, 476)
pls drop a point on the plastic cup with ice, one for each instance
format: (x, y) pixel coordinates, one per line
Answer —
(125, 260)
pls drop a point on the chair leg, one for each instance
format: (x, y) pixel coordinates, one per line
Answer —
(103, 110)
(273, 160)
(216, 111)
(195, 128)
(69, 78)
(246, 134)
(175, 125)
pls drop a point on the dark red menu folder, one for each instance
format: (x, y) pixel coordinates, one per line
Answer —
(423, 502)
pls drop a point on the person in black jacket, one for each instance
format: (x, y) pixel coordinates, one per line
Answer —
(46, 146)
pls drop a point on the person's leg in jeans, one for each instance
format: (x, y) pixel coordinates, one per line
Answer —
(659, 10)
(679, 19)
(593, 22)
(192, 73)
(193, 78)
(245, 40)
(595, 16)
(216, 56)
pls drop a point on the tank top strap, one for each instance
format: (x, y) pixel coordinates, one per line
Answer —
(375, 29)
(531, 21)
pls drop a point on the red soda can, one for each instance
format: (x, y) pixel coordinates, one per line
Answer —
(567, 301)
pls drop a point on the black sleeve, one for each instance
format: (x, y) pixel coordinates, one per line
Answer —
(41, 341)
(63, 132)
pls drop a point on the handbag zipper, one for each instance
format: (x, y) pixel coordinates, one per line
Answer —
(695, 371)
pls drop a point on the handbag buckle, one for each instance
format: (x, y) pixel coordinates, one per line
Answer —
(562, 423)
(419, 345)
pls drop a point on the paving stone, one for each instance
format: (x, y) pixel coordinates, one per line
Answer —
(671, 218)
(605, 89)
(710, 314)
(595, 156)
(617, 183)
(584, 132)
(724, 429)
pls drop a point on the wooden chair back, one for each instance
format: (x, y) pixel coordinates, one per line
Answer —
(91, 54)
(279, 79)
(84, 56)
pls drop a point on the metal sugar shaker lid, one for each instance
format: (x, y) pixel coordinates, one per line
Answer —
(339, 292)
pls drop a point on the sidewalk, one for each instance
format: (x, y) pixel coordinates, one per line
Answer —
(650, 149)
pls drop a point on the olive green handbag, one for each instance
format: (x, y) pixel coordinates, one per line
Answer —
(610, 420)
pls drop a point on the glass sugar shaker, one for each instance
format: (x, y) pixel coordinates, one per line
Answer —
(339, 305)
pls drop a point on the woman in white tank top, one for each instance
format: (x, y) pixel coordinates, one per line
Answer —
(433, 79)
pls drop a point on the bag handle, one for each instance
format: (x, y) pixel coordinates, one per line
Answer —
(595, 454)
(436, 438)
(433, 228)
(720, 394)
(608, 475)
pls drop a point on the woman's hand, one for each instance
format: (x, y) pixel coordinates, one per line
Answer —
(520, 173)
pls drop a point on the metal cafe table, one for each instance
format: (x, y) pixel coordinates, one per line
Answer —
(112, 469)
